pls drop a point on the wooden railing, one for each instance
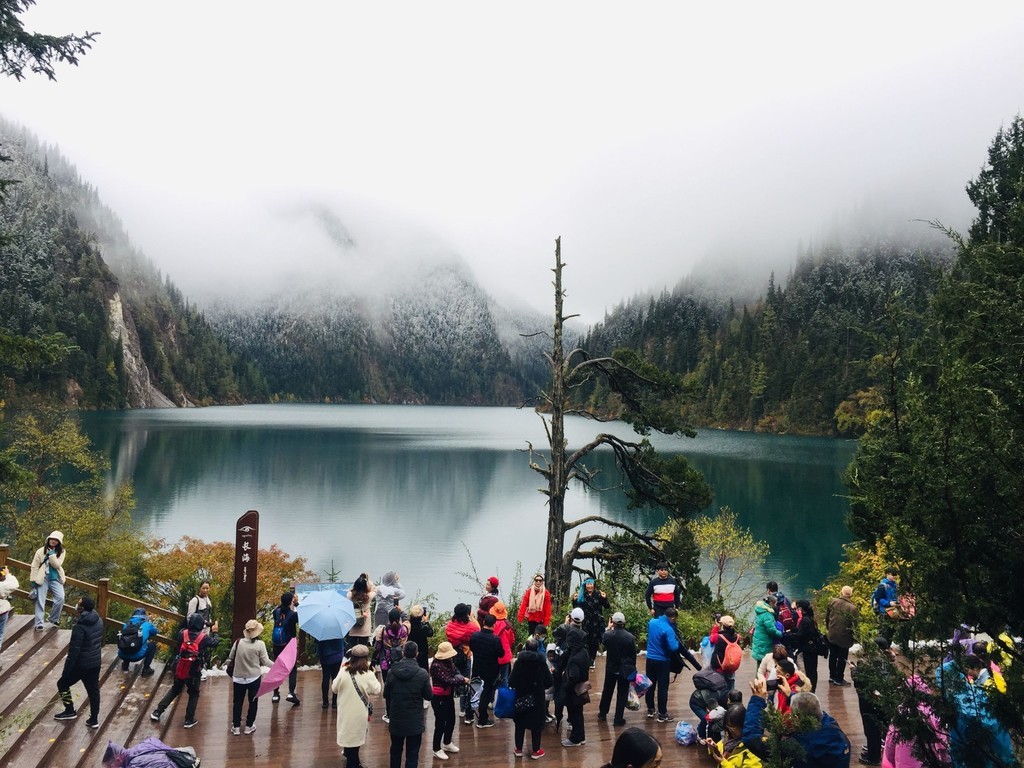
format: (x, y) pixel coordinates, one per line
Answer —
(104, 597)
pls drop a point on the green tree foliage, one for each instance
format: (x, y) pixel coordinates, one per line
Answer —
(732, 559)
(58, 289)
(60, 483)
(942, 474)
(35, 51)
(799, 360)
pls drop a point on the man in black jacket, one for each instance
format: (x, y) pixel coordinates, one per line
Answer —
(487, 650)
(83, 663)
(407, 687)
(620, 667)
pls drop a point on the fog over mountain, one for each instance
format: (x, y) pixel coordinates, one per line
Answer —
(652, 139)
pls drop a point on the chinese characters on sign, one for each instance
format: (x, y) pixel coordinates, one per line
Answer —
(247, 531)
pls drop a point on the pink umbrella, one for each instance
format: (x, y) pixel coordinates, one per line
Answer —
(283, 665)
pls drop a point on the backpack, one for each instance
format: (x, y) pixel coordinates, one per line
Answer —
(187, 654)
(129, 640)
(786, 618)
(277, 636)
(733, 656)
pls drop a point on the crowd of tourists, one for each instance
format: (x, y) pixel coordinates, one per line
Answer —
(478, 672)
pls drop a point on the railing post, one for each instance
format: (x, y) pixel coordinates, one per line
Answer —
(102, 588)
(3, 555)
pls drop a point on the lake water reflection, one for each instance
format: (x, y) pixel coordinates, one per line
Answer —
(410, 488)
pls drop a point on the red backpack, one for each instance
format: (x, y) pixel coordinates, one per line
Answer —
(187, 654)
(786, 618)
(733, 656)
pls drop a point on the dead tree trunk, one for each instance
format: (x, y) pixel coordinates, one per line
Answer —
(557, 575)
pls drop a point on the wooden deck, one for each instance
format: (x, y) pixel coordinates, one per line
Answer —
(285, 735)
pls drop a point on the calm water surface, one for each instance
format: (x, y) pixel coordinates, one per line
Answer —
(414, 488)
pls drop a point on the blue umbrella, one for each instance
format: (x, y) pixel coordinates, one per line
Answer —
(326, 615)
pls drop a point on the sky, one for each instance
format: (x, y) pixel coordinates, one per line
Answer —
(652, 137)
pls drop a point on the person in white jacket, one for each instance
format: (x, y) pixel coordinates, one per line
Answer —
(354, 685)
(48, 577)
(8, 583)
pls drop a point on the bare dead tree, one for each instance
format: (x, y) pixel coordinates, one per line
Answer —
(649, 399)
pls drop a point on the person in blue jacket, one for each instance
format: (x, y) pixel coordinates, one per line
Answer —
(662, 642)
(886, 594)
(824, 747)
(975, 733)
(139, 624)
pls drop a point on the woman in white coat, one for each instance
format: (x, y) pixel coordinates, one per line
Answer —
(48, 577)
(8, 583)
(354, 686)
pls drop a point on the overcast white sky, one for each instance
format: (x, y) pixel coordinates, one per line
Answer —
(648, 135)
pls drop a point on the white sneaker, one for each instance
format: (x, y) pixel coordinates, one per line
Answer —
(449, 748)
(441, 754)
(385, 718)
(202, 675)
(250, 729)
(236, 730)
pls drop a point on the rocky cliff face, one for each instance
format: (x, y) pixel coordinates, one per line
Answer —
(141, 391)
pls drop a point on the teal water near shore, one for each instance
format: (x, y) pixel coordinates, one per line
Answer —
(411, 488)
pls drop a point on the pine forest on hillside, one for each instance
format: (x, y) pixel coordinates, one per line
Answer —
(803, 358)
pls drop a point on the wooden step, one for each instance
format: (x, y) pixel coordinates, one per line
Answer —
(65, 742)
(123, 721)
(32, 685)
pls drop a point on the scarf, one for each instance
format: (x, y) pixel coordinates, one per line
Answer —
(536, 600)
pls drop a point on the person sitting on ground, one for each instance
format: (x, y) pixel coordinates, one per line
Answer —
(789, 683)
(710, 691)
(824, 745)
(635, 748)
(137, 642)
(729, 751)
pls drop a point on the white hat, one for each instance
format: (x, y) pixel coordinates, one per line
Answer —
(577, 615)
(618, 618)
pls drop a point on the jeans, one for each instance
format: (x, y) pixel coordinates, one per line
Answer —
(444, 719)
(90, 679)
(241, 692)
(57, 590)
(3, 627)
(412, 750)
(658, 672)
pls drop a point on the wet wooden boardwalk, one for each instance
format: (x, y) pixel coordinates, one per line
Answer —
(286, 735)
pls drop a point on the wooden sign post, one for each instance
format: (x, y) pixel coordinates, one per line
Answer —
(247, 540)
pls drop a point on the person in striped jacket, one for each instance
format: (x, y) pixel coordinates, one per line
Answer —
(663, 592)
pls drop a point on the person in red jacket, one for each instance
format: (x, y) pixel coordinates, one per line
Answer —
(458, 631)
(535, 608)
(507, 634)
